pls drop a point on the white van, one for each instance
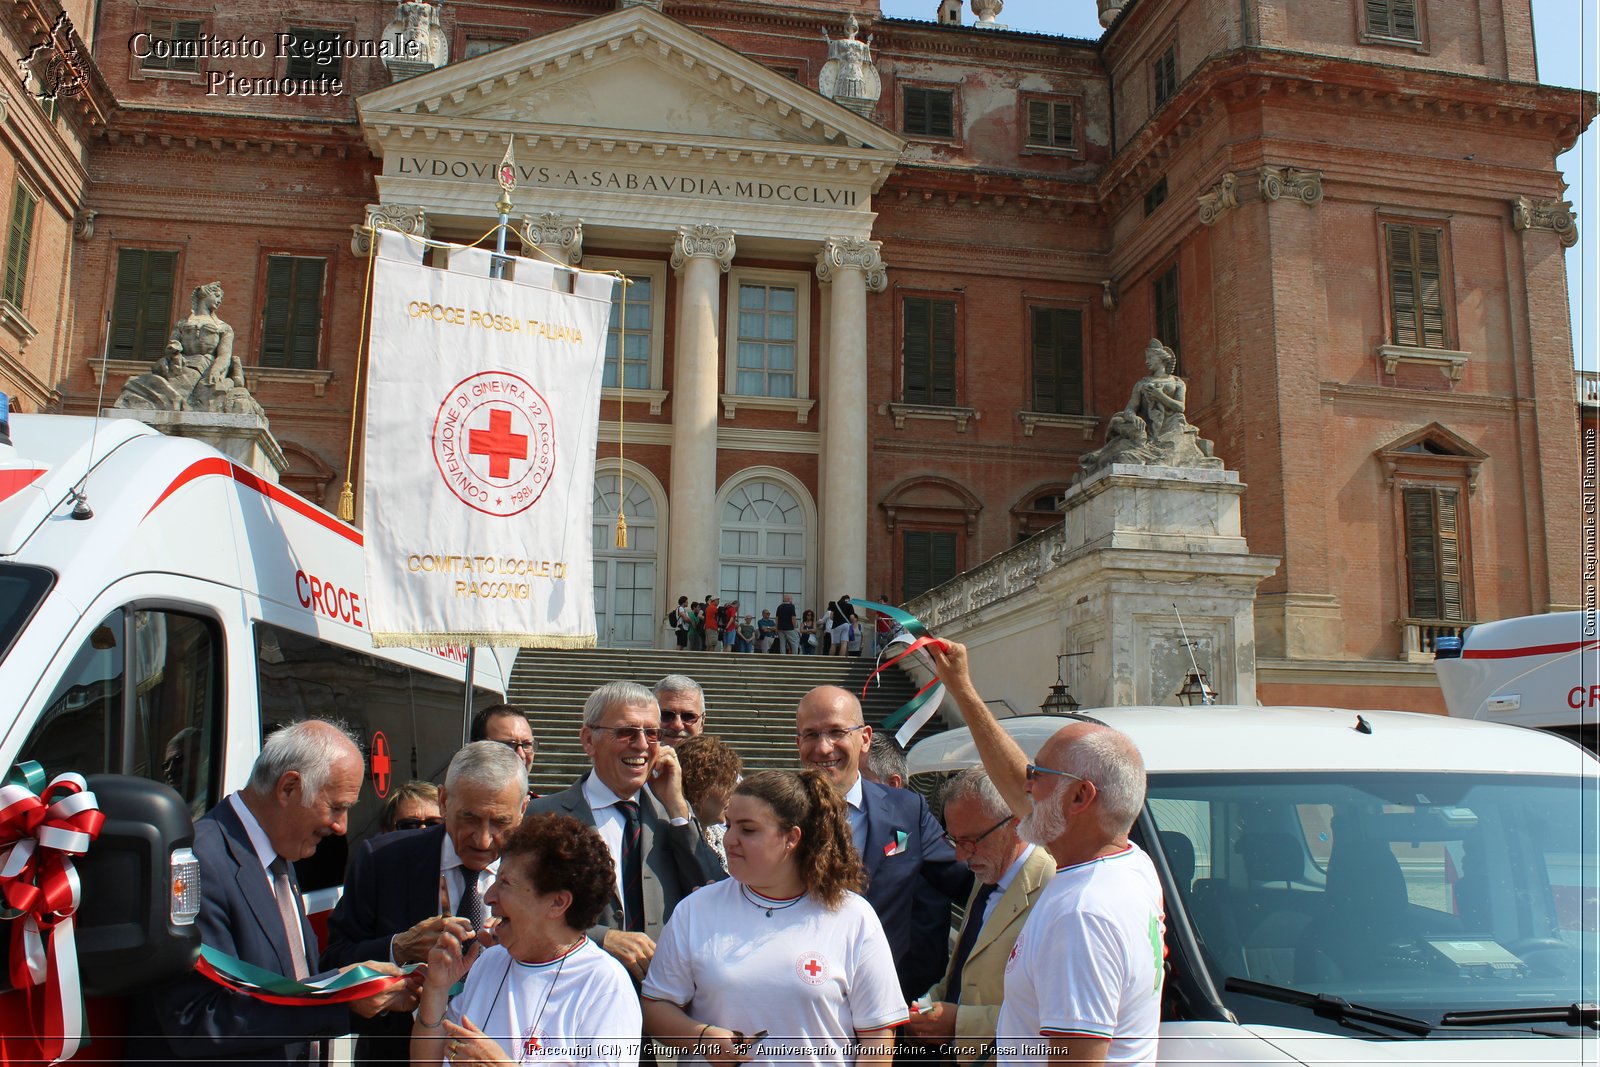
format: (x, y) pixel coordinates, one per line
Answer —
(1360, 888)
(163, 608)
(1536, 670)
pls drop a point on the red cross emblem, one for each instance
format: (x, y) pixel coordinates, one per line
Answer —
(380, 764)
(494, 443)
(530, 1044)
(812, 968)
(498, 443)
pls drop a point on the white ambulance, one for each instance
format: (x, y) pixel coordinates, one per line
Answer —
(161, 609)
(1537, 670)
(1372, 887)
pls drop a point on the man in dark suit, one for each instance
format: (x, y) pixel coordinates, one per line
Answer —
(1010, 875)
(651, 832)
(901, 844)
(301, 789)
(405, 889)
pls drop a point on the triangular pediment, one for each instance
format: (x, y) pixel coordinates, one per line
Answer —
(632, 75)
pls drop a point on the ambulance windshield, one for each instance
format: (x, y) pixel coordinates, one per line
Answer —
(22, 590)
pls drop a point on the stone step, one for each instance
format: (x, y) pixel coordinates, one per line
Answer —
(750, 698)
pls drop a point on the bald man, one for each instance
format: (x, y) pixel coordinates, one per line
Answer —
(901, 844)
(1085, 975)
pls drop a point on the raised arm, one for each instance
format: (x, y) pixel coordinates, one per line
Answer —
(1002, 758)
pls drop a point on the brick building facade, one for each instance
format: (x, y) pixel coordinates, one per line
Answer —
(1344, 216)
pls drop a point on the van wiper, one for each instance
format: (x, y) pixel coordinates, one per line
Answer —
(1328, 1006)
(1571, 1014)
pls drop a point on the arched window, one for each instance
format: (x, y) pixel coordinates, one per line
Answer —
(763, 546)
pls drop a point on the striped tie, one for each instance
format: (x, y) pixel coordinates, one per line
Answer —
(632, 867)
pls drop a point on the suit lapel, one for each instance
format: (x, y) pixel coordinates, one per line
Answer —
(254, 886)
(423, 894)
(879, 828)
(1012, 903)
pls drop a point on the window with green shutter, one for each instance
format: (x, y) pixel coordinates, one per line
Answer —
(930, 112)
(141, 307)
(1165, 74)
(928, 558)
(1396, 19)
(1165, 298)
(1416, 292)
(19, 244)
(1433, 554)
(1052, 124)
(292, 319)
(1057, 360)
(174, 45)
(929, 357)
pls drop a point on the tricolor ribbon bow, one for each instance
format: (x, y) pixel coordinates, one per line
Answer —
(41, 829)
(914, 713)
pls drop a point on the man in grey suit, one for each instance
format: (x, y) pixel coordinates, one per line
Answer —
(651, 832)
(1009, 876)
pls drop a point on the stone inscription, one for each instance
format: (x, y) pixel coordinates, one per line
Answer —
(629, 180)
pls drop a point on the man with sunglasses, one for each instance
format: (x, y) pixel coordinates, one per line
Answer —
(633, 795)
(505, 724)
(1084, 978)
(1010, 874)
(683, 708)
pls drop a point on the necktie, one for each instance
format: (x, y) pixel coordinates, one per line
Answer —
(289, 912)
(969, 937)
(471, 908)
(632, 867)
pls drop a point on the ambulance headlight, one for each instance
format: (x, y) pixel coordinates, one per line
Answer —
(184, 872)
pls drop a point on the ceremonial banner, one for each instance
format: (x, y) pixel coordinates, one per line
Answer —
(483, 410)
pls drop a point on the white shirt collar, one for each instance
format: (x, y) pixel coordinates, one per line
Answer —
(252, 828)
(598, 794)
(854, 795)
(1011, 872)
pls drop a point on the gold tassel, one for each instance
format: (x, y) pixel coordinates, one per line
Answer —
(347, 503)
(622, 529)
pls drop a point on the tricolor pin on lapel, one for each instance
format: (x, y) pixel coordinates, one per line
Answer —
(897, 846)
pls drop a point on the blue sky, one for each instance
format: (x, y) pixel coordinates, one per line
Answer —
(1564, 34)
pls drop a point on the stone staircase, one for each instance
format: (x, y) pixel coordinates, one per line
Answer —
(750, 698)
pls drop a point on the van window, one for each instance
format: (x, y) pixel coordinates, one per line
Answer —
(417, 714)
(22, 590)
(162, 704)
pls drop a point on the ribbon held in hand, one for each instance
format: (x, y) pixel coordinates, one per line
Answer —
(41, 829)
(914, 713)
(352, 983)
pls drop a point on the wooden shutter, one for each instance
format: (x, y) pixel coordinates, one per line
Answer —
(916, 356)
(916, 118)
(1416, 280)
(1422, 554)
(1393, 18)
(1448, 533)
(141, 309)
(1058, 360)
(292, 318)
(1038, 122)
(914, 567)
(942, 373)
(941, 113)
(941, 558)
(1064, 130)
(19, 244)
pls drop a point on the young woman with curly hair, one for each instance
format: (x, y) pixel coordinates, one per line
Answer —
(784, 947)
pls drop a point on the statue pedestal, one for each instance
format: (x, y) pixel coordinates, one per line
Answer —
(245, 439)
(1134, 541)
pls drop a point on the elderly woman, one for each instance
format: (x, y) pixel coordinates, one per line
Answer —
(413, 806)
(784, 947)
(711, 769)
(544, 992)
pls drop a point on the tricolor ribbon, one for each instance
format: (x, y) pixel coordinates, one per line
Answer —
(914, 714)
(353, 983)
(41, 828)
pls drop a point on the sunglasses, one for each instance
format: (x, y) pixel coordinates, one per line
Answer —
(629, 735)
(688, 718)
(1035, 772)
(417, 824)
(973, 842)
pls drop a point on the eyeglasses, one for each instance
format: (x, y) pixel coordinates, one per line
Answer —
(836, 736)
(417, 824)
(519, 746)
(1034, 771)
(629, 735)
(973, 842)
(688, 718)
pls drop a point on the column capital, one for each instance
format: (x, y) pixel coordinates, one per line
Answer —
(856, 253)
(560, 236)
(712, 242)
(1528, 213)
(407, 218)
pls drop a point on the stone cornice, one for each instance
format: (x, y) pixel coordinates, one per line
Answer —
(1255, 73)
(254, 135)
(1398, 396)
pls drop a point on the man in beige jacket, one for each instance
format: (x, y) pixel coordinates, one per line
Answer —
(1009, 875)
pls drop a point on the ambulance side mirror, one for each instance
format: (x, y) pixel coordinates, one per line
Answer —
(135, 925)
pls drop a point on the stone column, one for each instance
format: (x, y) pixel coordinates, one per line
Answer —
(700, 255)
(850, 266)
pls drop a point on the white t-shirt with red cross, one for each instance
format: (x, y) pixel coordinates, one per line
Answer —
(808, 976)
(577, 1009)
(1088, 963)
